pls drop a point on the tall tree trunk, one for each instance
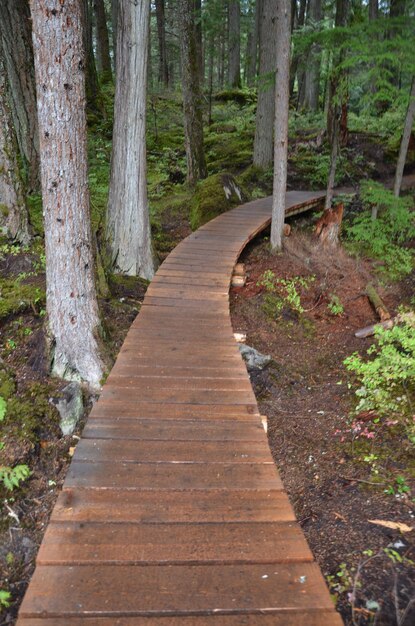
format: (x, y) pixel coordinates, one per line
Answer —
(103, 44)
(17, 52)
(252, 47)
(312, 74)
(199, 41)
(336, 108)
(283, 36)
(71, 303)
(161, 31)
(296, 58)
(192, 97)
(91, 76)
(128, 216)
(14, 222)
(263, 142)
(407, 129)
(373, 10)
(234, 76)
(114, 22)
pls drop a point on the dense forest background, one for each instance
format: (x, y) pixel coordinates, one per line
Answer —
(164, 115)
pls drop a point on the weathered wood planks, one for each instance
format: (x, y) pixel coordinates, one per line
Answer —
(172, 512)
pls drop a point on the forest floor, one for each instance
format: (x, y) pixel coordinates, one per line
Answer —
(299, 392)
(334, 483)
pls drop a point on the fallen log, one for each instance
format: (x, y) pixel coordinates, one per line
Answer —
(377, 303)
(368, 331)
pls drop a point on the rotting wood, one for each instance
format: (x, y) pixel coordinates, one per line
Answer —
(377, 303)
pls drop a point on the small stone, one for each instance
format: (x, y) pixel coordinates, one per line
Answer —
(254, 360)
(70, 407)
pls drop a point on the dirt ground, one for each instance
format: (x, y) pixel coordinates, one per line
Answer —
(305, 395)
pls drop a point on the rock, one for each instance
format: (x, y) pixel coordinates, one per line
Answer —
(71, 407)
(215, 195)
(254, 359)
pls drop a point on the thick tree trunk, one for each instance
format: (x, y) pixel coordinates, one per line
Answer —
(72, 308)
(17, 52)
(128, 216)
(192, 97)
(373, 10)
(103, 45)
(283, 35)
(312, 74)
(263, 142)
(407, 129)
(14, 222)
(161, 31)
(252, 47)
(114, 22)
(234, 76)
(295, 59)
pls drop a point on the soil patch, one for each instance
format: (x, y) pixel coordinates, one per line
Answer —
(306, 397)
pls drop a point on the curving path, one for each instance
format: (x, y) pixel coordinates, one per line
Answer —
(172, 512)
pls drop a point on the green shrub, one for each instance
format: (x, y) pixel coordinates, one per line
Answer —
(283, 292)
(382, 237)
(387, 377)
(12, 477)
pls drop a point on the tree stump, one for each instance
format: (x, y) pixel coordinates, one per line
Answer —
(328, 226)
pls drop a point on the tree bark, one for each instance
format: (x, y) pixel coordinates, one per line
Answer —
(161, 31)
(283, 35)
(295, 59)
(192, 97)
(373, 10)
(312, 74)
(128, 216)
(252, 46)
(114, 22)
(14, 222)
(407, 129)
(265, 113)
(199, 41)
(17, 51)
(234, 76)
(103, 45)
(91, 76)
(73, 318)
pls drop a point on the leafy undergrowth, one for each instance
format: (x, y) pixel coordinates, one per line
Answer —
(340, 427)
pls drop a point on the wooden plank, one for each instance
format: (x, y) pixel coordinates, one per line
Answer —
(133, 590)
(140, 394)
(177, 371)
(127, 451)
(293, 618)
(118, 408)
(173, 430)
(201, 383)
(161, 507)
(133, 544)
(172, 476)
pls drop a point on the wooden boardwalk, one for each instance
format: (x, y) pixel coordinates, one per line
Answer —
(172, 512)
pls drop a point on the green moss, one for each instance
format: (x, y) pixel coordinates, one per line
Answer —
(241, 96)
(7, 384)
(30, 414)
(16, 297)
(210, 198)
(34, 203)
(4, 210)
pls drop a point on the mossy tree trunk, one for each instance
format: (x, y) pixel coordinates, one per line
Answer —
(103, 44)
(72, 309)
(14, 221)
(17, 53)
(234, 67)
(283, 35)
(263, 142)
(192, 96)
(128, 227)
